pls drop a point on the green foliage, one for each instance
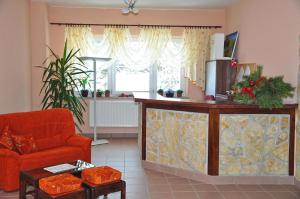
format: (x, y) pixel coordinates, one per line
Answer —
(265, 92)
(84, 82)
(61, 81)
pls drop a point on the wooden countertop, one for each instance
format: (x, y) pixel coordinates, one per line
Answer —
(147, 98)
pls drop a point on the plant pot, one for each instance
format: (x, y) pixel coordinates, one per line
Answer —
(107, 93)
(161, 92)
(84, 93)
(169, 94)
(179, 95)
(99, 94)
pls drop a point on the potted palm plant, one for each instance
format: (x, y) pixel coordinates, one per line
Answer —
(61, 80)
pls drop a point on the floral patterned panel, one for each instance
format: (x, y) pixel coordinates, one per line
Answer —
(177, 139)
(254, 145)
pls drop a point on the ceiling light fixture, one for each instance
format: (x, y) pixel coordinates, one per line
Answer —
(130, 7)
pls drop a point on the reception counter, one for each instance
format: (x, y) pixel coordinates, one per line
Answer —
(217, 138)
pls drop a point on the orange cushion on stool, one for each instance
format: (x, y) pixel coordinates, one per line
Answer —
(100, 175)
(61, 183)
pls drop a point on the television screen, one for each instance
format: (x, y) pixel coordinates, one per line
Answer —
(230, 44)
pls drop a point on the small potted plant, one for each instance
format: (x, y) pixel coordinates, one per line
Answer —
(84, 92)
(107, 93)
(170, 93)
(99, 93)
(161, 92)
(179, 93)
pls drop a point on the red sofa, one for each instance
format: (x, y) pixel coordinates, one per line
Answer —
(54, 133)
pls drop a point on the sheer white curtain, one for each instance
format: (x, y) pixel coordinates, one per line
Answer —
(137, 52)
(154, 45)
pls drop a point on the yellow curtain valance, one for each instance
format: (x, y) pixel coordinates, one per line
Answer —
(76, 37)
(196, 53)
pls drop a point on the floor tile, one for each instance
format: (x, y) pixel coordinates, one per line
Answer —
(204, 188)
(157, 180)
(233, 195)
(210, 195)
(291, 188)
(185, 195)
(177, 180)
(273, 188)
(296, 193)
(159, 189)
(283, 195)
(258, 195)
(227, 188)
(250, 188)
(180, 188)
(161, 196)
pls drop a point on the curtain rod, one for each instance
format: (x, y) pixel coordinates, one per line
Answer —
(136, 25)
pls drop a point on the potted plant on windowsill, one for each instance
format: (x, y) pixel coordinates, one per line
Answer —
(84, 82)
(170, 93)
(107, 93)
(161, 92)
(99, 93)
(179, 93)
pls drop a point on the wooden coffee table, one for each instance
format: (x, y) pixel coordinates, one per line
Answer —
(32, 177)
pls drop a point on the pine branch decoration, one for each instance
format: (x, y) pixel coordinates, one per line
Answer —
(265, 92)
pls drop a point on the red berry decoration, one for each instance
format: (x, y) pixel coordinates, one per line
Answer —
(251, 83)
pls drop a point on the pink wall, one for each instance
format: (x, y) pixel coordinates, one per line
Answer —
(15, 69)
(269, 32)
(39, 41)
(114, 16)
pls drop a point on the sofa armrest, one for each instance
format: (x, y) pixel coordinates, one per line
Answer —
(9, 170)
(5, 153)
(84, 143)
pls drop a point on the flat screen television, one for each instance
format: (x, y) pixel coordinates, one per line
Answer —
(230, 44)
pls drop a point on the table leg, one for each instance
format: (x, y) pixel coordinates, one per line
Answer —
(123, 190)
(22, 187)
(35, 193)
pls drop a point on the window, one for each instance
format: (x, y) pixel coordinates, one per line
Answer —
(128, 76)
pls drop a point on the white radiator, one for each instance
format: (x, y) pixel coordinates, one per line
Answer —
(110, 113)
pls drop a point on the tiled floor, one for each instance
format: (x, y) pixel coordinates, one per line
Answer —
(145, 184)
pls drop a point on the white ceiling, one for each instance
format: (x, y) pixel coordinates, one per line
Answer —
(158, 4)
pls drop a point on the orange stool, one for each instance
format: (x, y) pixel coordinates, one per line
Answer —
(62, 186)
(102, 181)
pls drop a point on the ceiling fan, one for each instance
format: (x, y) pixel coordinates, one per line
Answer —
(130, 7)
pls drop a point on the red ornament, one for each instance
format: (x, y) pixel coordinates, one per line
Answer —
(251, 83)
(249, 91)
(244, 90)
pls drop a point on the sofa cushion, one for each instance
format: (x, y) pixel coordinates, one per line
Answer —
(24, 144)
(50, 128)
(6, 140)
(50, 157)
